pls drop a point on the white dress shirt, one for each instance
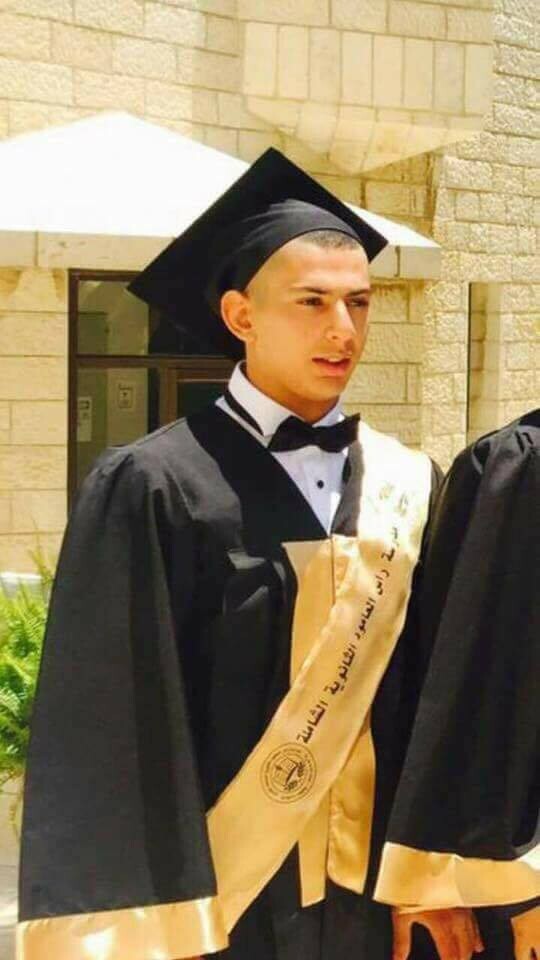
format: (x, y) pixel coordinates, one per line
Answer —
(317, 473)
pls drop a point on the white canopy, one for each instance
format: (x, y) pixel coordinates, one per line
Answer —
(111, 190)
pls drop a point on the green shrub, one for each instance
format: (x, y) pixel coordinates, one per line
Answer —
(23, 616)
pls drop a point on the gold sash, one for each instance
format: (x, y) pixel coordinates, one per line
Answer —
(351, 605)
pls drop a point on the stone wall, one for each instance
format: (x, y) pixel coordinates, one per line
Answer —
(33, 414)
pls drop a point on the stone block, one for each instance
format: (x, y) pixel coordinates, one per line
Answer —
(467, 205)
(490, 269)
(293, 63)
(389, 304)
(479, 238)
(101, 90)
(452, 328)
(523, 151)
(445, 358)
(305, 13)
(279, 112)
(492, 208)
(222, 8)
(526, 268)
(513, 30)
(144, 58)
(367, 16)
(79, 47)
(468, 174)
(27, 38)
(175, 25)
(233, 113)
(507, 89)
(32, 468)
(260, 59)
(520, 8)
(459, 383)
(222, 35)
(33, 290)
(478, 78)
(16, 550)
(409, 19)
(377, 383)
(414, 383)
(387, 71)
(33, 334)
(251, 143)
(447, 296)
(470, 26)
(223, 139)
(42, 422)
(5, 513)
(447, 418)
(388, 198)
(26, 80)
(39, 511)
(518, 62)
(325, 60)
(514, 119)
(527, 240)
(393, 343)
(517, 385)
(49, 9)
(126, 16)
(506, 178)
(522, 356)
(449, 77)
(33, 378)
(217, 71)
(27, 116)
(502, 238)
(401, 420)
(205, 106)
(440, 449)
(418, 93)
(169, 100)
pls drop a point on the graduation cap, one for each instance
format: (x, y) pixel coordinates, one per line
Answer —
(273, 202)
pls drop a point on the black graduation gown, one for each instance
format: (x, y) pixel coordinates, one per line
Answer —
(167, 652)
(471, 782)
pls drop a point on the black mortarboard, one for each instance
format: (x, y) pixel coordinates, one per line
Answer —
(273, 202)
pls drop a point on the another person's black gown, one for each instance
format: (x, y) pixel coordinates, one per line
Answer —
(167, 652)
(471, 782)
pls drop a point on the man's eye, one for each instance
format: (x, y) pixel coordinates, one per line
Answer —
(359, 303)
(311, 301)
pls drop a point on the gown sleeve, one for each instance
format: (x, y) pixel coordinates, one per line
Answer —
(115, 858)
(464, 830)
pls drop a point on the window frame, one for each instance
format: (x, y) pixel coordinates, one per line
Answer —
(171, 367)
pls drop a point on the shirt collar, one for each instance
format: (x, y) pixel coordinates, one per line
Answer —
(267, 412)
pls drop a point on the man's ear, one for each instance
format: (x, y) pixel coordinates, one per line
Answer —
(236, 314)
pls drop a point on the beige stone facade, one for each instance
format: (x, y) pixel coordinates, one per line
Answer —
(425, 112)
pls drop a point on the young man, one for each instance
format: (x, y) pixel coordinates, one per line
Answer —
(466, 825)
(230, 672)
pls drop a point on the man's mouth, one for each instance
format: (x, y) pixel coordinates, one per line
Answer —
(333, 365)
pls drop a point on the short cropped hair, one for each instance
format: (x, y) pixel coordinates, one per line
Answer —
(331, 240)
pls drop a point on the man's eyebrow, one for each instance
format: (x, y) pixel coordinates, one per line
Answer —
(350, 293)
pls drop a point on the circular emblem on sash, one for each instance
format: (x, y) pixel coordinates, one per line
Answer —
(288, 774)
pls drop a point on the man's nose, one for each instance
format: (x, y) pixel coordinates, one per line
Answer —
(341, 325)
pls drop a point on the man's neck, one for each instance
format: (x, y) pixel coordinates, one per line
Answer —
(309, 410)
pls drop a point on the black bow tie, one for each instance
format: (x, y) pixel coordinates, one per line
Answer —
(293, 434)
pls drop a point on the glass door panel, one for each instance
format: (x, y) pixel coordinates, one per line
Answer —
(115, 405)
